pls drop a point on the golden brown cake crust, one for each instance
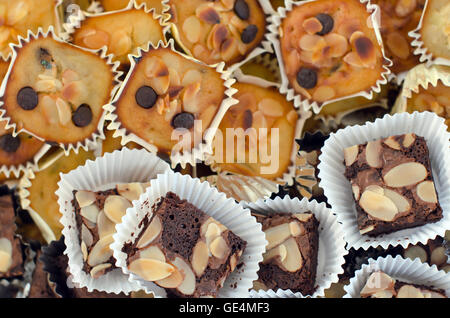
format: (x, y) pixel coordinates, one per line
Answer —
(167, 91)
(56, 91)
(215, 31)
(329, 50)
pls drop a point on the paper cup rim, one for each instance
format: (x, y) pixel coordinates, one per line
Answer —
(168, 182)
(328, 226)
(101, 53)
(403, 269)
(303, 102)
(198, 152)
(330, 171)
(425, 56)
(114, 281)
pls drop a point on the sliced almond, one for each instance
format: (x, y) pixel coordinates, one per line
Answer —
(378, 206)
(151, 233)
(408, 291)
(257, 285)
(400, 201)
(219, 248)
(415, 251)
(94, 39)
(84, 251)
(192, 29)
(191, 77)
(373, 151)
(130, 191)
(229, 48)
(278, 251)
(312, 25)
(405, 174)
(303, 217)
(187, 287)
(191, 103)
(408, 140)
(404, 8)
(90, 213)
(5, 254)
(207, 14)
(153, 252)
(375, 188)
(356, 191)
(438, 256)
(233, 262)
(383, 294)
(296, 229)
(338, 44)
(105, 226)
(293, 260)
(101, 252)
(398, 45)
(271, 107)
(64, 111)
(367, 229)
(350, 155)
(85, 198)
(86, 236)
(151, 269)
(99, 270)
(121, 43)
(115, 207)
(200, 258)
(391, 142)
(377, 281)
(173, 281)
(324, 93)
(277, 235)
(212, 232)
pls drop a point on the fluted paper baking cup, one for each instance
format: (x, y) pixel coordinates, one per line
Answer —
(425, 56)
(215, 204)
(289, 174)
(338, 191)
(75, 20)
(419, 77)
(121, 166)
(264, 47)
(331, 242)
(399, 268)
(98, 134)
(286, 88)
(198, 152)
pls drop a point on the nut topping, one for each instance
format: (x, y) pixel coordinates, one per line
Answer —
(64, 111)
(279, 251)
(400, 201)
(84, 251)
(356, 191)
(408, 140)
(296, 229)
(398, 45)
(277, 235)
(378, 206)
(152, 232)
(151, 269)
(105, 226)
(404, 8)
(115, 207)
(350, 154)
(207, 14)
(90, 213)
(373, 150)
(192, 28)
(85, 198)
(426, 192)
(173, 281)
(188, 285)
(270, 107)
(391, 142)
(190, 77)
(377, 281)
(200, 257)
(303, 217)
(121, 43)
(219, 248)
(408, 291)
(86, 236)
(312, 25)
(101, 252)
(130, 191)
(405, 174)
(100, 270)
(324, 93)
(5, 255)
(293, 260)
(153, 252)
(190, 102)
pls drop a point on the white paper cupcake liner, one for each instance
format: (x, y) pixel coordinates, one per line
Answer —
(331, 242)
(215, 204)
(98, 134)
(198, 152)
(104, 173)
(406, 270)
(289, 174)
(75, 20)
(419, 77)
(338, 191)
(299, 101)
(425, 56)
(264, 47)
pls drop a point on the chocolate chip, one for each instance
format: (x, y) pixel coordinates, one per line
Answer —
(249, 33)
(327, 23)
(241, 9)
(146, 97)
(248, 119)
(9, 143)
(82, 116)
(307, 77)
(183, 120)
(27, 98)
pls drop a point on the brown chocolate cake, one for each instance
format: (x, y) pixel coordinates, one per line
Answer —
(392, 183)
(290, 261)
(183, 250)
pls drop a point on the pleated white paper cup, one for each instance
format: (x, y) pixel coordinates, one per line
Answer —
(236, 218)
(121, 166)
(338, 190)
(331, 242)
(399, 268)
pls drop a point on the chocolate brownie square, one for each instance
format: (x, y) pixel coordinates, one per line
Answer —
(392, 184)
(184, 250)
(97, 214)
(290, 260)
(11, 258)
